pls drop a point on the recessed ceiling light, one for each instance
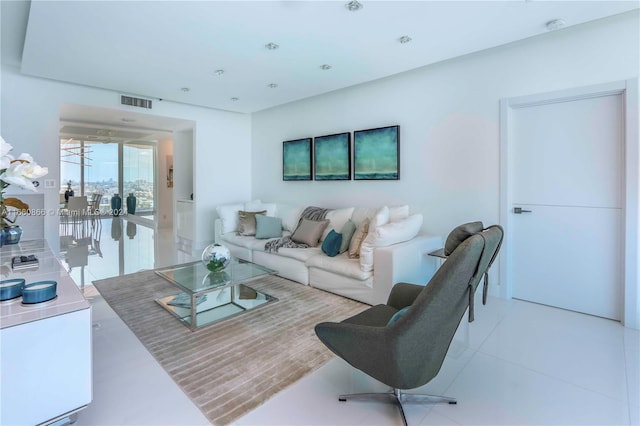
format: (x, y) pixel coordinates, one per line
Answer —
(185, 89)
(354, 6)
(235, 99)
(405, 39)
(555, 24)
(271, 46)
(272, 85)
(325, 67)
(219, 72)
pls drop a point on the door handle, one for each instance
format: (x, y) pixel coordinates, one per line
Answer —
(518, 210)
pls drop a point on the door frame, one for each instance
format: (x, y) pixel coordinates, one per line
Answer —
(631, 182)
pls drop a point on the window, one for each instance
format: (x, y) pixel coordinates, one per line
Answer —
(109, 169)
(138, 175)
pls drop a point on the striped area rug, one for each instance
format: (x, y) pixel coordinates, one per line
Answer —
(231, 367)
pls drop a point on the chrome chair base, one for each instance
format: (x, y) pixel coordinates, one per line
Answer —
(397, 397)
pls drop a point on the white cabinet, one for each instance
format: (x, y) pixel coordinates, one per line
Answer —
(45, 348)
(184, 215)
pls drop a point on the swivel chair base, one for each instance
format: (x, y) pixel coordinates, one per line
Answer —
(396, 396)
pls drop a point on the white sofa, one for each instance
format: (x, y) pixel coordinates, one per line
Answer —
(387, 257)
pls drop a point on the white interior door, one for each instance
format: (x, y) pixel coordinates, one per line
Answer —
(567, 170)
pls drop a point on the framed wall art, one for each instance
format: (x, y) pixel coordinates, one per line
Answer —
(377, 154)
(332, 157)
(296, 159)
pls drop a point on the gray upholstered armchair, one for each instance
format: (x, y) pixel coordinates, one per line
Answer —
(403, 343)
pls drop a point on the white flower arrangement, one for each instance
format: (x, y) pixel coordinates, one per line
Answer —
(20, 171)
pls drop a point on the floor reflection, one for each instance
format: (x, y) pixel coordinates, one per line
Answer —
(98, 248)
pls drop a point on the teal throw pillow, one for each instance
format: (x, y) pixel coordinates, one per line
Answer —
(268, 227)
(347, 232)
(331, 244)
(398, 315)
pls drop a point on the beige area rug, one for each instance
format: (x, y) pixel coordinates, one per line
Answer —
(233, 366)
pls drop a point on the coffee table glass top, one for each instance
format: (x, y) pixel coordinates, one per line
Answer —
(208, 297)
(195, 278)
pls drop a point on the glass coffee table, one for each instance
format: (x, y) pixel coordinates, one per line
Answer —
(208, 297)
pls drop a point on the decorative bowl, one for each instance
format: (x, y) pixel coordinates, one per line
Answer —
(216, 257)
(40, 291)
(11, 289)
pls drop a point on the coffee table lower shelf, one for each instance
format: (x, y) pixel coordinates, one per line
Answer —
(215, 305)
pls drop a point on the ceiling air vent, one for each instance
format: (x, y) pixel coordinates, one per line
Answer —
(136, 102)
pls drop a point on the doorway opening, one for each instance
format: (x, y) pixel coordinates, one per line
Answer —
(103, 170)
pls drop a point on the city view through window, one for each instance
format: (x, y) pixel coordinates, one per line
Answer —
(96, 168)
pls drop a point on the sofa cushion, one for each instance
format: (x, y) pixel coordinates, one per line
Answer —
(337, 218)
(309, 232)
(229, 216)
(362, 213)
(347, 232)
(397, 213)
(257, 205)
(268, 227)
(248, 242)
(331, 244)
(341, 265)
(397, 232)
(386, 235)
(380, 218)
(247, 222)
(290, 216)
(301, 254)
(358, 237)
(252, 206)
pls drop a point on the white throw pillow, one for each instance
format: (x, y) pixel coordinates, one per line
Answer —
(337, 219)
(269, 207)
(290, 216)
(258, 206)
(228, 214)
(252, 206)
(397, 232)
(380, 218)
(397, 213)
(386, 235)
(362, 213)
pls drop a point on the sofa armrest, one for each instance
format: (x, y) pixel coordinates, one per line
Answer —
(404, 262)
(403, 295)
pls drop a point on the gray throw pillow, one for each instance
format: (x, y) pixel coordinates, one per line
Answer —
(309, 232)
(347, 232)
(459, 234)
(247, 222)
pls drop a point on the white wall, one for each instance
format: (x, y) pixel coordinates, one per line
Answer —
(165, 194)
(30, 122)
(449, 120)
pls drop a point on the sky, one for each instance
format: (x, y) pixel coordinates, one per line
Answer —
(104, 164)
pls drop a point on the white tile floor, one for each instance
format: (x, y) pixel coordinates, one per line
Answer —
(519, 363)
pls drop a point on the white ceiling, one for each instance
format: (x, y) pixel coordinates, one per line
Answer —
(153, 49)
(88, 123)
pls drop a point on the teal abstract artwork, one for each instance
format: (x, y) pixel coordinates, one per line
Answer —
(296, 159)
(332, 155)
(377, 154)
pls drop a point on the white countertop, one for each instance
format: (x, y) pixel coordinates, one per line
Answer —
(69, 298)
